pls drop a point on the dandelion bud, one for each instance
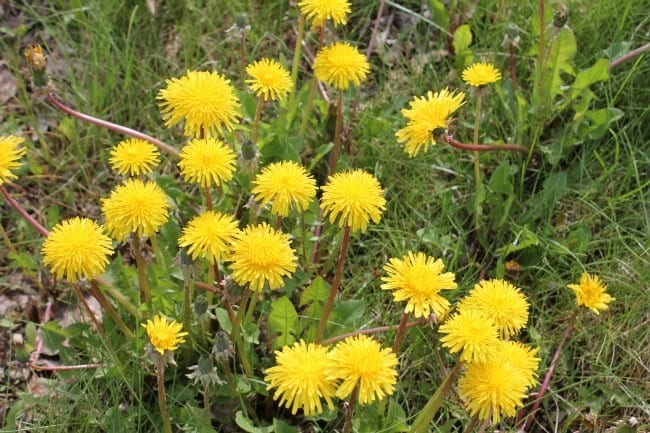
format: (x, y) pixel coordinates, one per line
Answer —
(560, 16)
(36, 62)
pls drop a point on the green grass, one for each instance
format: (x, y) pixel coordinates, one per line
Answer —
(588, 209)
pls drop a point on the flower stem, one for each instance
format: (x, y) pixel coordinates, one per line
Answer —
(162, 397)
(477, 164)
(312, 89)
(327, 309)
(119, 297)
(23, 213)
(422, 421)
(208, 199)
(401, 331)
(347, 425)
(145, 291)
(256, 122)
(236, 336)
(108, 307)
(482, 147)
(551, 369)
(371, 331)
(334, 155)
(111, 126)
(297, 52)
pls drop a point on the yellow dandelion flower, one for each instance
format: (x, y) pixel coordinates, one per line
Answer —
(354, 198)
(497, 386)
(299, 376)
(133, 157)
(591, 293)
(261, 255)
(480, 74)
(418, 279)
(164, 334)
(425, 115)
(35, 58)
(209, 235)
(321, 10)
(270, 80)
(11, 152)
(470, 332)
(204, 100)
(77, 248)
(504, 303)
(135, 206)
(340, 64)
(207, 162)
(285, 184)
(361, 360)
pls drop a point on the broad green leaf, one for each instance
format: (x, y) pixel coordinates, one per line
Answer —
(563, 50)
(598, 72)
(525, 239)
(282, 322)
(317, 291)
(462, 38)
(247, 425)
(439, 13)
(282, 427)
(501, 180)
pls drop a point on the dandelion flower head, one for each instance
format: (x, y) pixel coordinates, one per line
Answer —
(354, 198)
(361, 360)
(425, 115)
(340, 64)
(134, 156)
(504, 303)
(470, 332)
(204, 100)
(164, 334)
(77, 248)
(497, 386)
(209, 235)
(270, 80)
(262, 255)
(285, 184)
(590, 292)
(207, 162)
(11, 152)
(135, 207)
(299, 378)
(480, 74)
(321, 10)
(418, 279)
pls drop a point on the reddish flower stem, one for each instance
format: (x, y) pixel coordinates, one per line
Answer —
(30, 219)
(401, 331)
(482, 147)
(110, 125)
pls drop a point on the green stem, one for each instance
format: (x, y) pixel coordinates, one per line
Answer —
(327, 309)
(312, 89)
(108, 307)
(334, 155)
(477, 165)
(7, 241)
(120, 298)
(236, 336)
(256, 122)
(297, 52)
(145, 291)
(162, 397)
(422, 421)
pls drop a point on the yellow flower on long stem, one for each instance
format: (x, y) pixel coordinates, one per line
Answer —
(426, 115)
(210, 235)
(164, 334)
(299, 378)
(591, 293)
(270, 81)
(340, 64)
(285, 185)
(204, 100)
(418, 279)
(470, 332)
(134, 156)
(262, 255)
(11, 152)
(480, 74)
(354, 198)
(207, 162)
(320, 11)
(77, 248)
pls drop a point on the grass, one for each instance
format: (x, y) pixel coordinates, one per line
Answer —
(582, 202)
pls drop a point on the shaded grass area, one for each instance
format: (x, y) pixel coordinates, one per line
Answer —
(110, 59)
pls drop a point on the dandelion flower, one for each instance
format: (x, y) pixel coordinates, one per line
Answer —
(355, 198)
(472, 332)
(418, 279)
(591, 293)
(285, 184)
(270, 80)
(480, 74)
(299, 378)
(502, 302)
(209, 235)
(340, 64)
(204, 100)
(261, 255)
(426, 115)
(11, 152)
(361, 360)
(135, 206)
(133, 157)
(497, 386)
(206, 162)
(77, 248)
(163, 334)
(321, 10)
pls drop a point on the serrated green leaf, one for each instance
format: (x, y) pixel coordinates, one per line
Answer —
(501, 180)
(598, 72)
(282, 322)
(247, 425)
